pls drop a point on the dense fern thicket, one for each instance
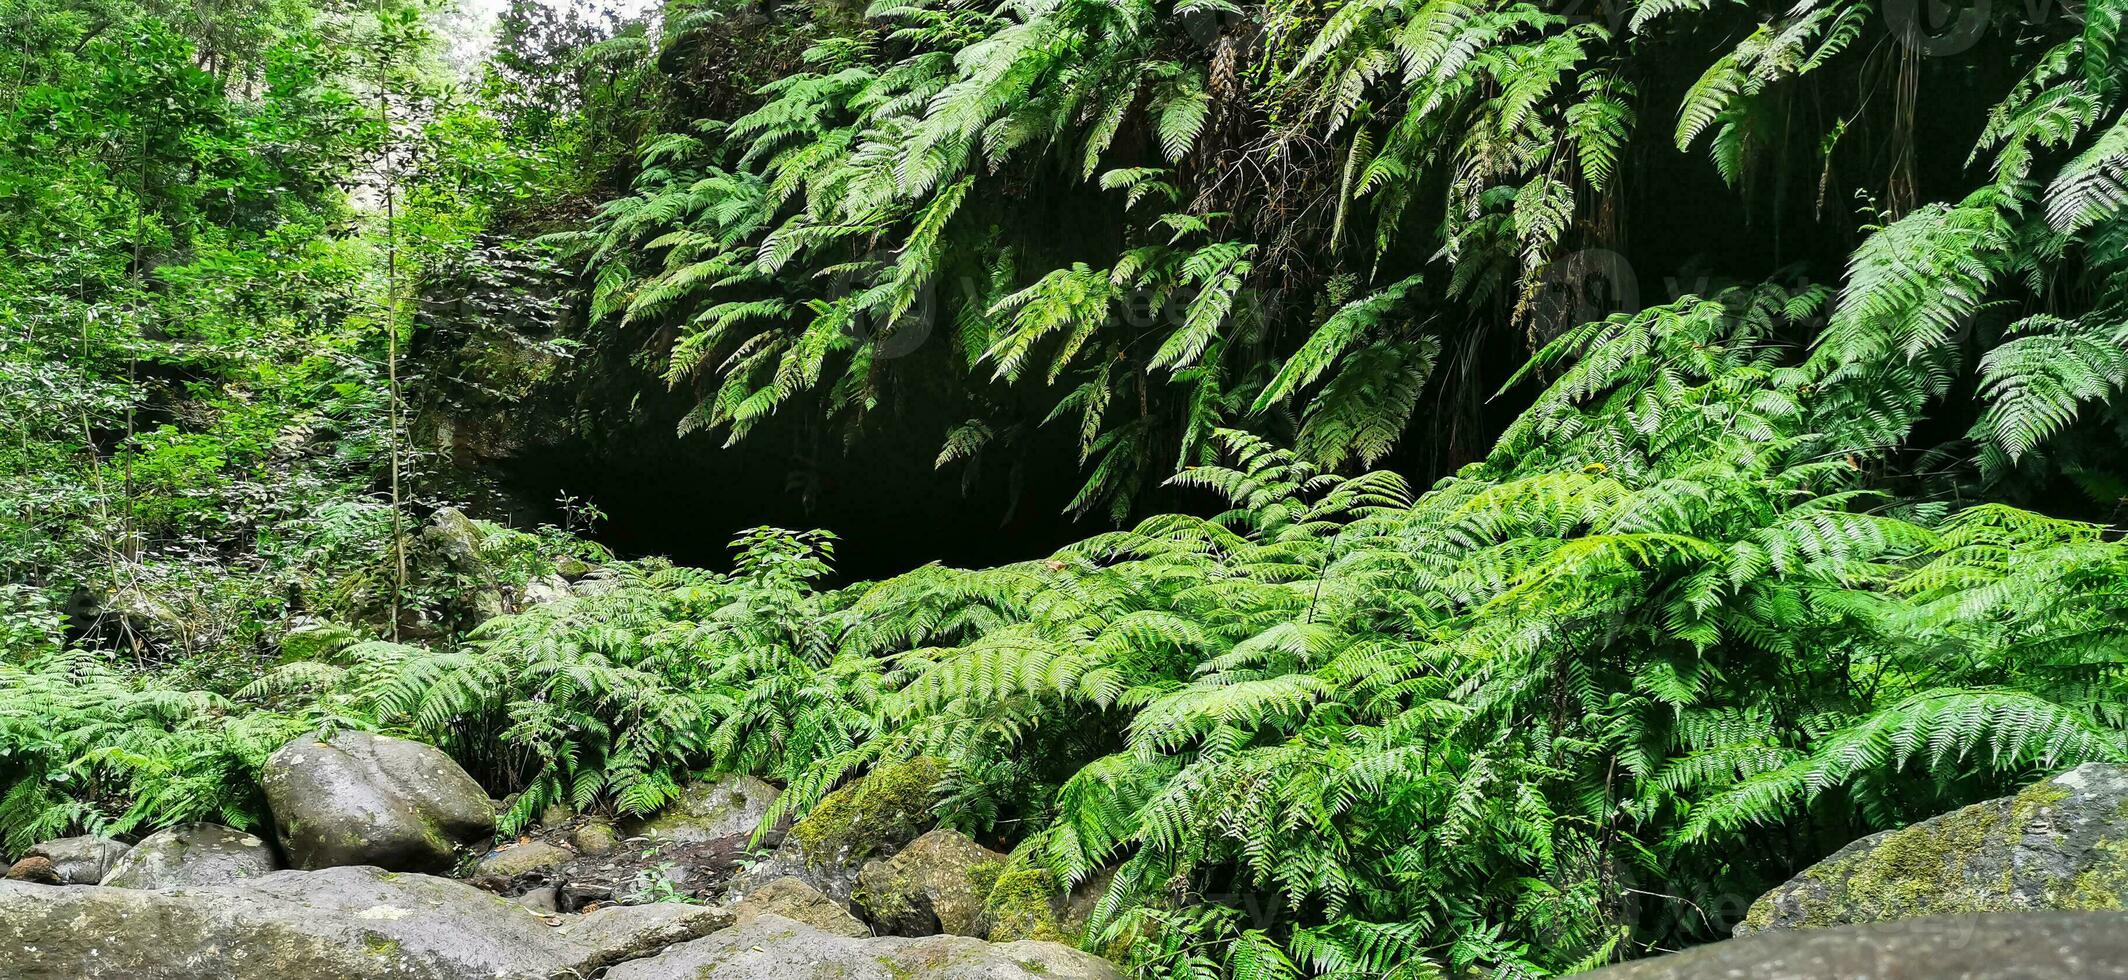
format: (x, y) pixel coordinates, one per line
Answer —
(1581, 700)
(1746, 573)
(1134, 223)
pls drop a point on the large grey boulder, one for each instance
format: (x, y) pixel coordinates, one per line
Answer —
(936, 884)
(771, 947)
(80, 860)
(2010, 946)
(726, 809)
(2062, 843)
(544, 589)
(337, 924)
(192, 854)
(359, 798)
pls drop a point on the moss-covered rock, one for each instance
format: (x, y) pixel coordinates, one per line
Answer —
(458, 542)
(872, 817)
(595, 836)
(2060, 844)
(523, 859)
(799, 902)
(1029, 902)
(2023, 944)
(1023, 904)
(937, 884)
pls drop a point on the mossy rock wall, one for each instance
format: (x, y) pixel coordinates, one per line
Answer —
(2062, 844)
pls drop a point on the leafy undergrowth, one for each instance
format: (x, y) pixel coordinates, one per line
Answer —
(1660, 647)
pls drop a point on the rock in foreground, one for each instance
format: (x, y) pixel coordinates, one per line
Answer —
(2061, 844)
(872, 817)
(937, 884)
(363, 799)
(192, 854)
(771, 947)
(795, 900)
(339, 924)
(727, 809)
(2011, 946)
(80, 860)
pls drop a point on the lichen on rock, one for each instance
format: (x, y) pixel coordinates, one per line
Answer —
(887, 808)
(937, 884)
(193, 854)
(872, 817)
(2061, 843)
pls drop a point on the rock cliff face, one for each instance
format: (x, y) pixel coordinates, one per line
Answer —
(2060, 844)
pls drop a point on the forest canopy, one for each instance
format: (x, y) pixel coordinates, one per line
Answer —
(1544, 472)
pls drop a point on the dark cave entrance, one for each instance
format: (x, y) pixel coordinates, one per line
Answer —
(889, 508)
